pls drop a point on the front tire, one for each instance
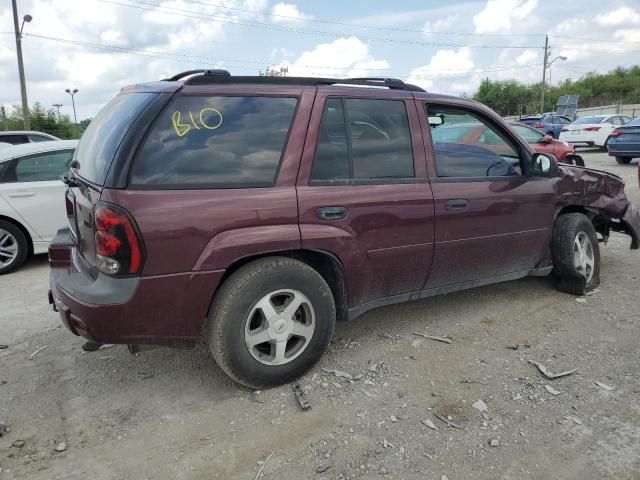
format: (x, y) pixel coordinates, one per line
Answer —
(623, 160)
(576, 254)
(270, 322)
(14, 247)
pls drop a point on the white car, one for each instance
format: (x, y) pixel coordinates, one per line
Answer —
(18, 137)
(32, 208)
(593, 131)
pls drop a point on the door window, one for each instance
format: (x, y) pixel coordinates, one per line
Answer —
(466, 145)
(529, 135)
(363, 140)
(43, 167)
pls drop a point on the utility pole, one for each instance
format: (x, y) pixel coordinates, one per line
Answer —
(544, 71)
(23, 85)
(58, 105)
(4, 117)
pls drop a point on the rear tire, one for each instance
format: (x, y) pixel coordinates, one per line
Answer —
(604, 147)
(249, 322)
(623, 160)
(14, 247)
(576, 269)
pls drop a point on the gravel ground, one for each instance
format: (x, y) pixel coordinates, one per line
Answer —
(173, 414)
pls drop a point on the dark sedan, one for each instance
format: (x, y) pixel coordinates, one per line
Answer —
(624, 142)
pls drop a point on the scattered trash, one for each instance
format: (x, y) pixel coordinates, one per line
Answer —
(145, 375)
(338, 373)
(38, 351)
(393, 418)
(574, 419)
(18, 444)
(494, 443)
(368, 382)
(437, 339)
(581, 300)
(551, 390)
(3, 346)
(593, 292)
(449, 422)
(417, 342)
(374, 367)
(323, 468)
(264, 464)
(61, 447)
(602, 385)
(518, 346)
(472, 382)
(444, 477)
(429, 424)
(550, 375)
(386, 444)
(304, 404)
(386, 335)
(480, 405)
(3, 429)
(255, 397)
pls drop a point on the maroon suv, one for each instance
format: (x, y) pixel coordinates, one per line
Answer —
(252, 212)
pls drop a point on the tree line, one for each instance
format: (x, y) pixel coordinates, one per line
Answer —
(43, 120)
(511, 97)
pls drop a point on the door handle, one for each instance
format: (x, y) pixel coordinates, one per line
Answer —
(331, 213)
(20, 194)
(456, 204)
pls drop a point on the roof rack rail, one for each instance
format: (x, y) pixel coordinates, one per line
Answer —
(212, 76)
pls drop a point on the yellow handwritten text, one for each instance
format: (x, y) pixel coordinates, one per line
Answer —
(206, 116)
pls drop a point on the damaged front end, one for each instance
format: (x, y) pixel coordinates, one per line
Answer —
(601, 194)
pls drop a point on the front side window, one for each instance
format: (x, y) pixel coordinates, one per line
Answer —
(529, 135)
(215, 142)
(466, 145)
(40, 168)
(363, 139)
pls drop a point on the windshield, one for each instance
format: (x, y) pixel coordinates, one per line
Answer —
(582, 121)
(104, 134)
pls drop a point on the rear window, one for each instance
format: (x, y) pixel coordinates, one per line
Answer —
(215, 142)
(582, 121)
(103, 136)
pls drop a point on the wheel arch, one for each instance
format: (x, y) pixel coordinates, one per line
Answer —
(22, 228)
(601, 221)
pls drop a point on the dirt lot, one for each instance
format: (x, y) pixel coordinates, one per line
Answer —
(173, 414)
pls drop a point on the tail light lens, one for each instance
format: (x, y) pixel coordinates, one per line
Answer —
(118, 245)
(616, 133)
(538, 125)
(564, 129)
(592, 129)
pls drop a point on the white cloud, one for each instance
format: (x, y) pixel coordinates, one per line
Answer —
(499, 15)
(527, 57)
(342, 57)
(445, 63)
(441, 25)
(621, 16)
(288, 13)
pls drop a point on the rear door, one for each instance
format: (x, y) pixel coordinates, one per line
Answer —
(33, 188)
(492, 217)
(363, 193)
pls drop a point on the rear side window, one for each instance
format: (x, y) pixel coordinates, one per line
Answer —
(215, 142)
(39, 138)
(43, 167)
(530, 136)
(363, 139)
(103, 136)
(14, 139)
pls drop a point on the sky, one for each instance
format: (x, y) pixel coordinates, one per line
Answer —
(99, 46)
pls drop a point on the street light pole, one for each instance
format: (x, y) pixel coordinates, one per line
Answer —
(544, 71)
(23, 84)
(73, 102)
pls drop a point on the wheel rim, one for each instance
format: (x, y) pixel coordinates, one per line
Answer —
(279, 327)
(8, 248)
(584, 256)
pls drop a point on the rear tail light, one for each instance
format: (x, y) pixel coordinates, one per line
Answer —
(118, 246)
(616, 133)
(538, 125)
(592, 129)
(564, 130)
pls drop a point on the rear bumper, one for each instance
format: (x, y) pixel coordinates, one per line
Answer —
(624, 150)
(162, 310)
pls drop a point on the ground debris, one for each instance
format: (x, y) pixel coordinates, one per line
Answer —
(3, 346)
(480, 405)
(603, 385)
(37, 351)
(264, 464)
(581, 300)
(548, 374)
(573, 419)
(429, 424)
(304, 403)
(386, 444)
(61, 447)
(18, 444)
(494, 443)
(323, 468)
(437, 339)
(338, 373)
(448, 421)
(386, 335)
(551, 390)
(518, 346)
(3, 429)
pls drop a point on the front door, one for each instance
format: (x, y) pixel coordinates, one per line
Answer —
(492, 216)
(363, 192)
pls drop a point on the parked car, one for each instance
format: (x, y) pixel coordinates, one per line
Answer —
(252, 212)
(624, 142)
(20, 137)
(478, 133)
(549, 124)
(31, 204)
(593, 131)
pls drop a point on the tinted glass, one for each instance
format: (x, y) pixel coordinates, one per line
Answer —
(331, 161)
(634, 123)
(564, 121)
(215, 142)
(482, 152)
(529, 135)
(39, 138)
(530, 120)
(43, 167)
(14, 139)
(377, 146)
(584, 120)
(104, 134)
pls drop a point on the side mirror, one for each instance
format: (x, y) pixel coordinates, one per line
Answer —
(547, 139)
(544, 164)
